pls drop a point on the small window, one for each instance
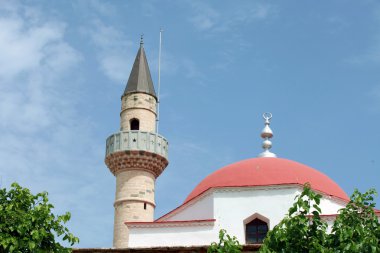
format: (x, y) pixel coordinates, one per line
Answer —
(144, 206)
(135, 124)
(256, 231)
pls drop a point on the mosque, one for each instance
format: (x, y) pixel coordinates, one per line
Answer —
(247, 198)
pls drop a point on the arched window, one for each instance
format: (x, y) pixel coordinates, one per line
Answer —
(135, 124)
(255, 231)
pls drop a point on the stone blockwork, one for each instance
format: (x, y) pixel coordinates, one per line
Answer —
(135, 186)
(130, 160)
(136, 158)
(139, 106)
(120, 230)
(134, 201)
(136, 172)
(197, 249)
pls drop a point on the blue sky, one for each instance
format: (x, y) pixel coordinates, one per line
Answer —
(64, 65)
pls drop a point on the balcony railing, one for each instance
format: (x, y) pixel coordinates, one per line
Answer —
(137, 140)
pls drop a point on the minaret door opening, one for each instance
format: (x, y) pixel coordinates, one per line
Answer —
(135, 124)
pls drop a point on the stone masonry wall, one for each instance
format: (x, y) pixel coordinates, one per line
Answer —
(140, 106)
(135, 185)
(134, 201)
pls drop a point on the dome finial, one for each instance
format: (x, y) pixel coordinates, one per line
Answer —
(267, 134)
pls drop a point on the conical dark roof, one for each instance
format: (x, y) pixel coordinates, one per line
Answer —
(140, 79)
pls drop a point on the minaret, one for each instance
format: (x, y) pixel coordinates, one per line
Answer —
(136, 155)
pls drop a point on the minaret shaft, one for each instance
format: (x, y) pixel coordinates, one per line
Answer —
(134, 201)
(136, 155)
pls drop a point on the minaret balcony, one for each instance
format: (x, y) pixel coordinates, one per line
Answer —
(137, 141)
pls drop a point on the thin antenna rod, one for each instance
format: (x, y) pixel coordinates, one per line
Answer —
(159, 81)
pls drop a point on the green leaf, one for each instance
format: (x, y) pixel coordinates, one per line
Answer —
(27, 223)
(227, 244)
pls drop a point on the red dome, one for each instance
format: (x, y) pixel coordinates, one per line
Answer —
(265, 172)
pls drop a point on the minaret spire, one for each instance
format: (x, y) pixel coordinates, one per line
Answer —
(267, 134)
(140, 79)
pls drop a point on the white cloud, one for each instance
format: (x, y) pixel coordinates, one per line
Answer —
(191, 69)
(33, 55)
(261, 11)
(21, 47)
(101, 7)
(253, 12)
(207, 18)
(44, 139)
(113, 50)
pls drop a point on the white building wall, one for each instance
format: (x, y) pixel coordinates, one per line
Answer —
(202, 209)
(330, 223)
(172, 236)
(330, 205)
(233, 206)
(229, 207)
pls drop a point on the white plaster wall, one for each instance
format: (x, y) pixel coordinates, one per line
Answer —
(330, 205)
(172, 236)
(231, 208)
(203, 209)
(330, 223)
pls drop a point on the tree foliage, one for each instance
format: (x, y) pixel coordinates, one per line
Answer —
(298, 231)
(356, 228)
(28, 225)
(226, 244)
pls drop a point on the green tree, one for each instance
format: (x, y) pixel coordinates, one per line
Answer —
(227, 244)
(302, 230)
(357, 227)
(27, 223)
